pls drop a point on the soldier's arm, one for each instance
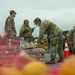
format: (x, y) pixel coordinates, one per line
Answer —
(69, 35)
(22, 30)
(43, 27)
(41, 33)
(14, 30)
(5, 28)
(8, 26)
(32, 29)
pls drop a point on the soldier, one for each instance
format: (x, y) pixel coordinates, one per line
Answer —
(71, 39)
(56, 38)
(26, 31)
(10, 24)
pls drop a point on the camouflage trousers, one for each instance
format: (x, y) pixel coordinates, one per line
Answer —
(71, 47)
(56, 46)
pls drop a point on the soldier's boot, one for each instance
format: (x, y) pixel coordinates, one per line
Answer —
(52, 61)
(60, 60)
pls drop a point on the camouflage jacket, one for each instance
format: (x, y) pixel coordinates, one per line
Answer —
(25, 31)
(70, 35)
(10, 25)
(49, 28)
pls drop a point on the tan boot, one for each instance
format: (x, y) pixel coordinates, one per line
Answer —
(51, 62)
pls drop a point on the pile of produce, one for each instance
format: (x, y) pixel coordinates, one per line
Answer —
(25, 65)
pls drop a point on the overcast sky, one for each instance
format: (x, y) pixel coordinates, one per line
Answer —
(61, 12)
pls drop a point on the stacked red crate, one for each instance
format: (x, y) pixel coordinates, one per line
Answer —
(9, 48)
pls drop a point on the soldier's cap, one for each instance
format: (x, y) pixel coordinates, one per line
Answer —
(36, 19)
(26, 21)
(12, 11)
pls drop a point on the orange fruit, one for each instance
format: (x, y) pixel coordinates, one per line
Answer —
(45, 74)
(68, 67)
(10, 71)
(35, 68)
(0, 70)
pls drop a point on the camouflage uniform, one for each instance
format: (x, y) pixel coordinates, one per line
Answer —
(26, 32)
(71, 39)
(56, 37)
(10, 24)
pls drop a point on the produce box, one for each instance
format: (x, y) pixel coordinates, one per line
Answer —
(28, 45)
(36, 53)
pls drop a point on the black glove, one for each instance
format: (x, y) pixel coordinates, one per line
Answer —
(32, 29)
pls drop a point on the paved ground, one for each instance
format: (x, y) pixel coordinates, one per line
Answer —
(52, 66)
(47, 57)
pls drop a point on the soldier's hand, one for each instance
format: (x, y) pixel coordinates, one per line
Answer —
(39, 45)
(32, 29)
(41, 42)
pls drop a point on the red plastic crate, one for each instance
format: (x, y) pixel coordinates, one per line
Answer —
(8, 50)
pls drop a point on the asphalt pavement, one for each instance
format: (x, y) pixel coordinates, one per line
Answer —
(47, 57)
